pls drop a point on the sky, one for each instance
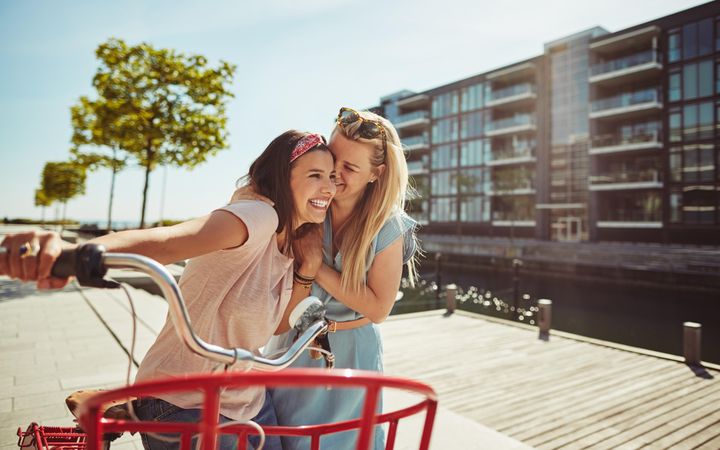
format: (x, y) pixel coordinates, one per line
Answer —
(297, 62)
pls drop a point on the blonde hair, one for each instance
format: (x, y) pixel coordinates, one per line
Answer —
(381, 200)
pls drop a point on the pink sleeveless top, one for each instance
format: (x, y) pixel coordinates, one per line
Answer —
(235, 298)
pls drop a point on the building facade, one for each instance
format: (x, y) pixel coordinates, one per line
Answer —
(602, 137)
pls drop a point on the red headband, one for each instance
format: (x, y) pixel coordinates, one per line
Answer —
(307, 142)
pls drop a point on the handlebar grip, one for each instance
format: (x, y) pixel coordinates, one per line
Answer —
(85, 263)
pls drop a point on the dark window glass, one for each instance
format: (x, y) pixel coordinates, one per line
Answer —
(443, 210)
(445, 156)
(717, 78)
(705, 78)
(690, 81)
(689, 40)
(674, 50)
(676, 206)
(472, 125)
(444, 183)
(675, 87)
(690, 122)
(675, 164)
(705, 122)
(699, 204)
(471, 181)
(717, 36)
(676, 126)
(705, 41)
(690, 163)
(706, 163)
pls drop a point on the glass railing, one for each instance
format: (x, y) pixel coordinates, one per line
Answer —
(510, 122)
(423, 139)
(627, 99)
(630, 215)
(512, 216)
(510, 186)
(412, 116)
(640, 176)
(499, 154)
(512, 91)
(612, 140)
(626, 62)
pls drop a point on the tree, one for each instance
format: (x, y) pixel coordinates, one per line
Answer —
(92, 123)
(42, 200)
(62, 181)
(157, 106)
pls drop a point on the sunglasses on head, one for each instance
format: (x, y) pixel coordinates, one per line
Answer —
(368, 129)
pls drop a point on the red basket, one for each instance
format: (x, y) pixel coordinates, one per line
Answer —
(95, 425)
(47, 438)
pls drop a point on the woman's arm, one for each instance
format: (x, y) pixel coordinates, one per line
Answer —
(216, 231)
(377, 298)
(219, 230)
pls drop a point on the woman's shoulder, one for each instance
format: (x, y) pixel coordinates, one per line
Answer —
(397, 224)
(258, 216)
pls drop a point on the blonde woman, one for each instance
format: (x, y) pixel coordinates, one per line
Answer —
(367, 239)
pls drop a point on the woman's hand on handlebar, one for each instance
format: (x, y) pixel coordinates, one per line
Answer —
(30, 256)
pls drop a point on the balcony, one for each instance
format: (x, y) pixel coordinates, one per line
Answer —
(616, 181)
(412, 120)
(417, 143)
(627, 105)
(417, 168)
(516, 124)
(627, 69)
(511, 219)
(414, 101)
(615, 143)
(631, 218)
(517, 95)
(512, 155)
(498, 189)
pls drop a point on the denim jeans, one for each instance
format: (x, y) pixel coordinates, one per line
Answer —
(155, 409)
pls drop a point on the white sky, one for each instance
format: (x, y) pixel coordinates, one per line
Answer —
(298, 62)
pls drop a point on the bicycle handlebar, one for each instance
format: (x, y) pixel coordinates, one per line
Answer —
(89, 264)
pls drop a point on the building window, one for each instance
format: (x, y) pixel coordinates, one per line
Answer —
(690, 41)
(676, 206)
(705, 124)
(443, 210)
(674, 47)
(445, 156)
(697, 121)
(444, 183)
(472, 125)
(705, 37)
(705, 78)
(699, 204)
(445, 130)
(698, 163)
(472, 97)
(474, 153)
(717, 36)
(675, 123)
(475, 209)
(445, 104)
(472, 181)
(676, 164)
(690, 84)
(675, 86)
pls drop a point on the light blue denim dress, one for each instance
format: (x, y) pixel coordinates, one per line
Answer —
(359, 348)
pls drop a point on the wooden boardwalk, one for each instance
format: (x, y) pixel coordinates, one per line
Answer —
(563, 393)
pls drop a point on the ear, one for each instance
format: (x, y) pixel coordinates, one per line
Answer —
(378, 172)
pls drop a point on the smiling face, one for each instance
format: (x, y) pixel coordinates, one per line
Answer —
(353, 168)
(312, 183)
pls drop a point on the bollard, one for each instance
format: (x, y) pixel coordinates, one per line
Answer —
(691, 343)
(450, 293)
(544, 317)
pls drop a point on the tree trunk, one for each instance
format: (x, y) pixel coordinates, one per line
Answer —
(145, 189)
(112, 189)
(64, 216)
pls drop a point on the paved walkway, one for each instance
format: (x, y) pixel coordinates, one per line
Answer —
(54, 343)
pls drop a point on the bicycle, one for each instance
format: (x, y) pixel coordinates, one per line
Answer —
(89, 264)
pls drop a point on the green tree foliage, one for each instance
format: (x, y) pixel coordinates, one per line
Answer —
(42, 201)
(157, 106)
(62, 181)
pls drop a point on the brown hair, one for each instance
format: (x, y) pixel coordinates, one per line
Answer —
(269, 175)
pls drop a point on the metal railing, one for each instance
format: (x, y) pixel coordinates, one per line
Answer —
(614, 139)
(512, 91)
(515, 121)
(415, 115)
(626, 62)
(641, 176)
(627, 99)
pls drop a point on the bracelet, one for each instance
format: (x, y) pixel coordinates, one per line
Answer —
(302, 281)
(298, 276)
